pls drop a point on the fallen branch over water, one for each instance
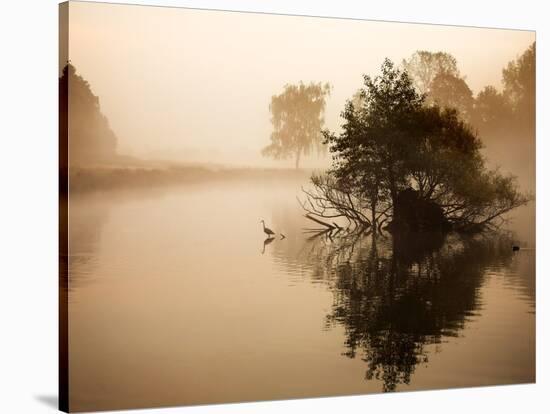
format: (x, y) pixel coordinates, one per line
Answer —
(321, 222)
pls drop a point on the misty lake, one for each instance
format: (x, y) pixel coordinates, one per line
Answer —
(175, 298)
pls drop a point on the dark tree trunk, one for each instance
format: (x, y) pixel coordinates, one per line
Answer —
(373, 216)
(391, 183)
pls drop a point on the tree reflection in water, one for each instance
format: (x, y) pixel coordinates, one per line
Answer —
(396, 295)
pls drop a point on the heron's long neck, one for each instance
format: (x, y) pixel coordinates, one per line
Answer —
(263, 224)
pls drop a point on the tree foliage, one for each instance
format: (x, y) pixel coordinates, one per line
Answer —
(505, 117)
(519, 79)
(493, 113)
(491, 108)
(91, 138)
(297, 116)
(450, 91)
(436, 75)
(424, 66)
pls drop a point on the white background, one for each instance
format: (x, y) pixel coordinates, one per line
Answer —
(28, 204)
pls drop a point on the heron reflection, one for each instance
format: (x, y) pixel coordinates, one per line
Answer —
(266, 242)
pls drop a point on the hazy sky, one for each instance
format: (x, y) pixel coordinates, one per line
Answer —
(196, 84)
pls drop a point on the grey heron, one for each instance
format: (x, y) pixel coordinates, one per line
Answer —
(267, 230)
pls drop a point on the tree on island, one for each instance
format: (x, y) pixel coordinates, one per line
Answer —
(297, 116)
(415, 166)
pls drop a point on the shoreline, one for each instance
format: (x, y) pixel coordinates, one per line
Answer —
(105, 178)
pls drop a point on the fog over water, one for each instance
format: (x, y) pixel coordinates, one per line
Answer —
(176, 298)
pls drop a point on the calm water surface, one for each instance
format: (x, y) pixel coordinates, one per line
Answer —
(176, 299)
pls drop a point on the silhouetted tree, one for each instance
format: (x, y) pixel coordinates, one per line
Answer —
(91, 139)
(424, 66)
(436, 75)
(506, 120)
(492, 111)
(375, 141)
(519, 79)
(450, 91)
(297, 116)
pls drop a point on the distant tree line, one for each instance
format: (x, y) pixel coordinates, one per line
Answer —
(297, 114)
(90, 137)
(437, 76)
